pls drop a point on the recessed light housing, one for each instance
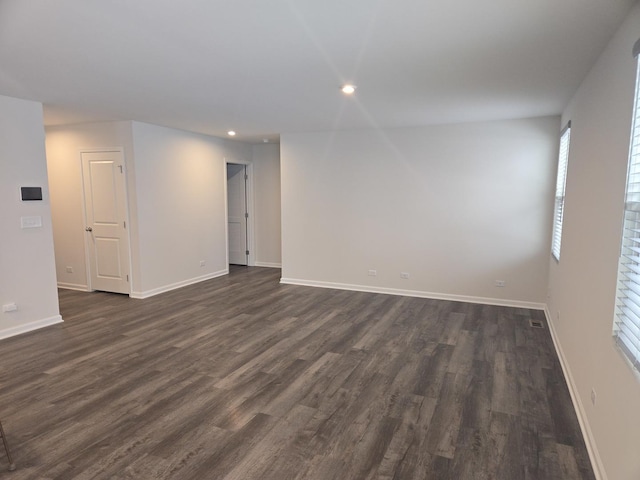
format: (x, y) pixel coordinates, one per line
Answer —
(231, 133)
(348, 89)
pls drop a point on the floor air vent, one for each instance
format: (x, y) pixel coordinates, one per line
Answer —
(536, 323)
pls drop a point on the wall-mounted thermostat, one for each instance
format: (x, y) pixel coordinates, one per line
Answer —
(30, 193)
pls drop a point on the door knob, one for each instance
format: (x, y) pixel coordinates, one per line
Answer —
(89, 229)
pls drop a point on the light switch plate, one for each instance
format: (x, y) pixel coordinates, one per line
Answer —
(30, 222)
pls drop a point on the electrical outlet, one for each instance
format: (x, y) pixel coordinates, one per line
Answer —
(404, 275)
(593, 397)
(372, 273)
(500, 283)
(202, 263)
(69, 269)
(9, 307)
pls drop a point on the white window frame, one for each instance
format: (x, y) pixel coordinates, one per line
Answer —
(626, 324)
(561, 182)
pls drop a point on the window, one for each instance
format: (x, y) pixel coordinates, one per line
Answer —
(626, 326)
(563, 158)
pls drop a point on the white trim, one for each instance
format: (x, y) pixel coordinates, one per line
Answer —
(627, 360)
(74, 286)
(28, 327)
(251, 230)
(225, 185)
(268, 264)
(415, 293)
(587, 434)
(174, 286)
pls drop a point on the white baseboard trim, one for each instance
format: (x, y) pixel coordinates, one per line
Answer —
(268, 264)
(29, 327)
(174, 286)
(73, 286)
(578, 406)
(415, 293)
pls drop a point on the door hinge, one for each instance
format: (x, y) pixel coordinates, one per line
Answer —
(121, 169)
(246, 177)
(246, 215)
(124, 223)
(247, 252)
(127, 278)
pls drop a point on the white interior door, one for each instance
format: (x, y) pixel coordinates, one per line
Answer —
(237, 213)
(106, 213)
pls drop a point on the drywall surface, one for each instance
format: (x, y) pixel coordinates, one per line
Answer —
(180, 192)
(456, 207)
(583, 282)
(63, 146)
(175, 191)
(27, 268)
(266, 184)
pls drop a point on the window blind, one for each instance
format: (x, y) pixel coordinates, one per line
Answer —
(626, 328)
(561, 180)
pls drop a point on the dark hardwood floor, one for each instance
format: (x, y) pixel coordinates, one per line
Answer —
(243, 378)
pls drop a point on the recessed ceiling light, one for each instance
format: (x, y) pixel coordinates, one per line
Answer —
(231, 133)
(348, 89)
(265, 140)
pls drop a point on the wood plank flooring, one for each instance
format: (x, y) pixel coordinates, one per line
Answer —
(243, 378)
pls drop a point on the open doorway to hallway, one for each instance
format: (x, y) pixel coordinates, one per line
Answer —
(239, 218)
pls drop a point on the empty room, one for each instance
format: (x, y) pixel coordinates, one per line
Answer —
(320, 240)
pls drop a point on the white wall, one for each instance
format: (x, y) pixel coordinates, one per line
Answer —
(180, 190)
(266, 173)
(175, 183)
(63, 145)
(457, 207)
(27, 270)
(582, 284)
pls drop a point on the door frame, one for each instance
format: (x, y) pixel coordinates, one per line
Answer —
(87, 248)
(251, 258)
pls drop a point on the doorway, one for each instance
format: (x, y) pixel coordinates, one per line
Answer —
(106, 231)
(239, 218)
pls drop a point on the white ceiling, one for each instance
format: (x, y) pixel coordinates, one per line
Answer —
(265, 67)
